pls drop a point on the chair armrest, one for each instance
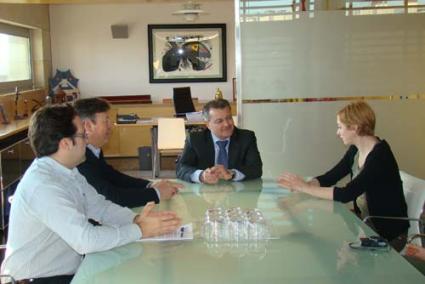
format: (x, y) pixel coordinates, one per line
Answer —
(411, 238)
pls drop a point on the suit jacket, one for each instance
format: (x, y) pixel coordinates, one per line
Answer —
(199, 154)
(114, 185)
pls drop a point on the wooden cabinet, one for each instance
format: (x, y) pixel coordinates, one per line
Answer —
(133, 137)
(16, 156)
(10, 165)
(14, 161)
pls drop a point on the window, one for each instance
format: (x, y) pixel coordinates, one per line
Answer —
(378, 7)
(15, 58)
(273, 10)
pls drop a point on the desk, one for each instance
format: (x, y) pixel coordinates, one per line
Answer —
(311, 245)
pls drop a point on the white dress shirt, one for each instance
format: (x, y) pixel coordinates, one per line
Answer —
(49, 230)
(195, 177)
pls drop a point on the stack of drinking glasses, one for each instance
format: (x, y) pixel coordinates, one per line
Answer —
(234, 225)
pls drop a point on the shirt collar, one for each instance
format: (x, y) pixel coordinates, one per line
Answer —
(95, 150)
(56, 165)
(215, 139)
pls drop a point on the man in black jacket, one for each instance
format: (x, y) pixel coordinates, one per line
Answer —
(114, 185)
(220, 152)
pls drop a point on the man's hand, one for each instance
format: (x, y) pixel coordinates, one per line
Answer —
(153, 223)
(167, 189)
(222, 172)
(209, 176)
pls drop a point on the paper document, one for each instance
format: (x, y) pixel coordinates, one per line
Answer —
(144, 121)
(194, 116)
(185, 232)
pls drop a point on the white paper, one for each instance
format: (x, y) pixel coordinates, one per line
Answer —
(185, 232)
(194, 116)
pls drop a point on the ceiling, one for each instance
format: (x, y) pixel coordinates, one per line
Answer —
(98, 1)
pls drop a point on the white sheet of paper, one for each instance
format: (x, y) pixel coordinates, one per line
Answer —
(185, 232)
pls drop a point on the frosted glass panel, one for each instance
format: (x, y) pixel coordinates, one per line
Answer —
(328, 54)
(286, 67)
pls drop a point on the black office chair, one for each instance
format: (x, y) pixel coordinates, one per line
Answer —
(182, 101)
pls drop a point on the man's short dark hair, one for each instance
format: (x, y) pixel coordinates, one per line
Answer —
(87, 108)
(48, 126)
(216, 104)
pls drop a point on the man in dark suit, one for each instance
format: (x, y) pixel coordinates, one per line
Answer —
(221, 151)
(114, 185)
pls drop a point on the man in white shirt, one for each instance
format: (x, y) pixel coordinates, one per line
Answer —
(49, 228)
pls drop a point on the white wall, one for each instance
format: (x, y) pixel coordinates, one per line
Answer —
(82, 41)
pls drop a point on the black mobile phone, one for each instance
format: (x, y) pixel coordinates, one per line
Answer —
(374, 241)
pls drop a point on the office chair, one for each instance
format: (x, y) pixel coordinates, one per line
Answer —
(171, 138)
(182, 101)
(414, 193)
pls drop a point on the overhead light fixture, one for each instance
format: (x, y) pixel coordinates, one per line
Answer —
(190, 11)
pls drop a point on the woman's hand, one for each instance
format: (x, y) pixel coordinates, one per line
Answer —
(292, 182)
(296, 183)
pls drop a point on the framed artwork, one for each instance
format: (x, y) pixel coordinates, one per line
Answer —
(187, 53)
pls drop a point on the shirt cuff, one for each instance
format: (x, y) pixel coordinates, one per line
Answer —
(238, 175)
(194, 177)
(131, 232)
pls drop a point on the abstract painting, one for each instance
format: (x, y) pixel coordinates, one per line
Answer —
(187, 53)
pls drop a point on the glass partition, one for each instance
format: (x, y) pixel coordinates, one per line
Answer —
(296, 71)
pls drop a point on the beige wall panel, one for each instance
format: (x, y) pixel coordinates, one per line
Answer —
(29, 15)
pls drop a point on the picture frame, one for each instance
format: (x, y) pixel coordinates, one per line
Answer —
(187, 53)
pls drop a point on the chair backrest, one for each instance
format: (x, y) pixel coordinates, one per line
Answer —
(182, 101)
(414, 193)
(171, 133)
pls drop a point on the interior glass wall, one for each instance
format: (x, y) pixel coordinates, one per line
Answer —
(297, 68)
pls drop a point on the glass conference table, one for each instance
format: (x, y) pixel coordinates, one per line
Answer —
(309, 245)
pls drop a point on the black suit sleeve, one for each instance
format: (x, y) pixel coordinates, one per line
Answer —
(114, 185)
(342, 169)
(122, 179)
(188, 162)
(124, 196)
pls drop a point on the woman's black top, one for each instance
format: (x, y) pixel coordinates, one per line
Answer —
(380, 179)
